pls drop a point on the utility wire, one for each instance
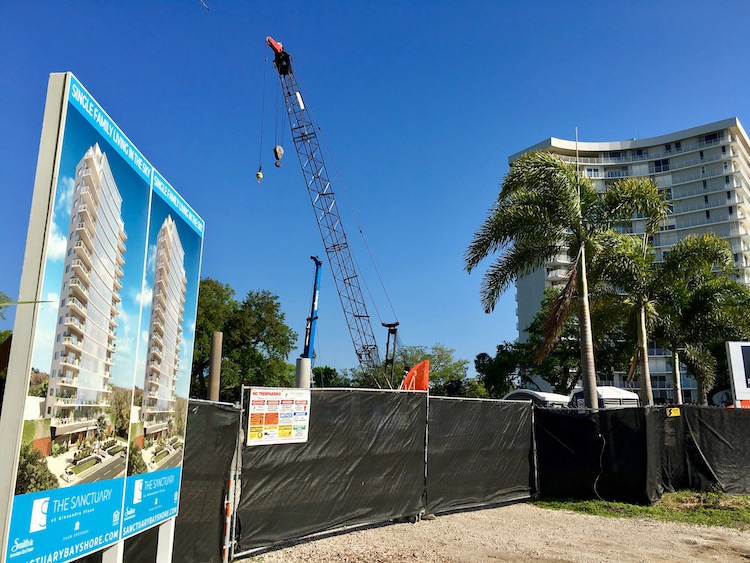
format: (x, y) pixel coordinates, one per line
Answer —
(262, 112)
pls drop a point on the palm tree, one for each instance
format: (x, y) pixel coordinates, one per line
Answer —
(546, 208)
(101, 428)
(700, 303)
(627, 261)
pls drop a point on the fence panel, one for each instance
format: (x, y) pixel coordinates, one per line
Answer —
(363, 463)
(479, 452)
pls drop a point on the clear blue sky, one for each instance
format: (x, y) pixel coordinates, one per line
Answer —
(420, 104)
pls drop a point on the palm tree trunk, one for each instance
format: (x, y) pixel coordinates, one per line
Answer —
(702, 395)
(588, 368)
(647, 394)
(676, 377)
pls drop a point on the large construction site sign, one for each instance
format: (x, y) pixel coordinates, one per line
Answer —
(738, 355)
(278, 416)
(95, 409)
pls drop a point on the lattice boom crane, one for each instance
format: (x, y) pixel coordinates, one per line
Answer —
(326, 212)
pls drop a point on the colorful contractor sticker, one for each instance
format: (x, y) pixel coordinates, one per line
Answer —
(278, 416)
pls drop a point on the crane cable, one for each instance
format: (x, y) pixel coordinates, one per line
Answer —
(259, 174)
(354, 215)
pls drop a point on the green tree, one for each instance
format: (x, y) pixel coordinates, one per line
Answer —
(33, 473)
(101, 428)
(626, 262)
(448, 375)
(136, 465)
(326, 376)
(544, 209)
(120, 410)
(216, 306)
(257, 344)
(701, 305)
(499, 374)
(5, 300)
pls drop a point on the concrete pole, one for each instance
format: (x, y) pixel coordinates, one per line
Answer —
(214, 370)
(302, 379)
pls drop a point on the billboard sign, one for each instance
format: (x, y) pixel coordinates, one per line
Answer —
(278, 416)
(113, 259)
(738, 357)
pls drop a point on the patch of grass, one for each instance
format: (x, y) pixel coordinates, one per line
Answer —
(690, 507)
(84, 466)
(162, 454)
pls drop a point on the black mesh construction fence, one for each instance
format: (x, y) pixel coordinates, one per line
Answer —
(635, 455)
(210, 444)
(363, 463)
(479, 453)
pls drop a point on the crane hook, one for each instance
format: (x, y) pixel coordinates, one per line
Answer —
(259, 175)
(278, 152)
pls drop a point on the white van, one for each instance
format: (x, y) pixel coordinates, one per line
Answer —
(538, 398)
(609, 398)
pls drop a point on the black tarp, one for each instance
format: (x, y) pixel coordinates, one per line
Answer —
(478, 453)
(210, 443)
(718, 448)
(600, 454)
(363, 463)
(667, 468)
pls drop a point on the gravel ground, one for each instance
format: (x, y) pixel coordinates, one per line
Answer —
(523, 532)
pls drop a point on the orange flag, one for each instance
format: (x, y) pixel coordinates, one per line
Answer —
(418, 378)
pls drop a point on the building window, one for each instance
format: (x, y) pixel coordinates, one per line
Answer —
(701, 155)
(678, 146)
(736, 257)
(59, 321)
(640, 153)
(592, 172)
(668, 147)
(56, 355)
(712, 137)
(726, 179)
(731, 210)
(614, 154)
(703, 169)
(708, 214)
(705, 185)
(58, 337)
(661, 165)
(724, 149)
(726, 165)
(705, 199)
(729, 195)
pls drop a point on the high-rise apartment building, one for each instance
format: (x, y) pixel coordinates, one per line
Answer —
(704, 171)
(85, 338)
(165, 331)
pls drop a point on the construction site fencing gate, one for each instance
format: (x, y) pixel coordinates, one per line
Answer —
(374, 456)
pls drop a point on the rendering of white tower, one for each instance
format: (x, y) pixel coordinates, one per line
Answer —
(165, 331)
(85, 338)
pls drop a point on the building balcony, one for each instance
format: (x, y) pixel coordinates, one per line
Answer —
(113, 322)
(160, 313)
(121, 245)
(81, 270)
(72, 342)
(91, 181)
(699, 176)
(87, 214)
(118, 271)
(116, 284)
(84, 234)
(111, 347)
(70, 361)
(83, 253)
(155, 366)
(108, 360)
(74, 322)
(156, 338)
(78, 287)
(107, 373)
(75, 305)
(119, 259)
(67, 382)
(153, 380)
(161, 297)
(65, 401)
(156, 351)
(158, 327)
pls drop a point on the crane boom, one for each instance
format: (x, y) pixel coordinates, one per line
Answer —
(326, 212)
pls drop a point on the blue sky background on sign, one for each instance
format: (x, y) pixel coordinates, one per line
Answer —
(420, 104)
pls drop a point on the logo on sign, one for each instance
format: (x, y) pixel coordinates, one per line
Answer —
(39, 515)
(138, 492)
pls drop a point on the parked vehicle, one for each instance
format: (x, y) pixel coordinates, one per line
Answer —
(609, 398)
(539, 398)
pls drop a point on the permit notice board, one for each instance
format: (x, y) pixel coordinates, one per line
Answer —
(278, 416)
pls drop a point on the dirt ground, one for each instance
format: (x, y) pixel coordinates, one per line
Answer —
(523, 532)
